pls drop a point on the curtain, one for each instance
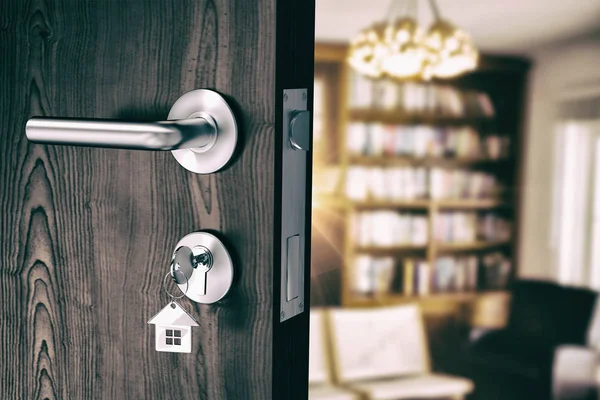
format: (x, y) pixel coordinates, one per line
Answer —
(575, 235)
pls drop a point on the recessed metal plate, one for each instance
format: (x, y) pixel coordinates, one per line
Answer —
(293, 225)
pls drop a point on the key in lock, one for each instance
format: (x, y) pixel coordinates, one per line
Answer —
(202, 267)
(188, 262)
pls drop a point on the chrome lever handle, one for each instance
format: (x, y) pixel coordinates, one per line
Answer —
(201, 132)
(160, 135)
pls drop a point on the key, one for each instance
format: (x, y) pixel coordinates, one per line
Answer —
(202, 262)
(182, 266)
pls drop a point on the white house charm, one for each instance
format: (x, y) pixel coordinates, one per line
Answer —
(173, 327)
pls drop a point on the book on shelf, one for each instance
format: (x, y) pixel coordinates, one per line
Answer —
(469, 227)
(408, 273)
(418, 97)
(361, 91)
(464, 273)
(421, 140)
(415, 277)
(455, 274)
(423, 281)
(476, 102)
(376, 275)
(496, 269)
(362, 281)
(411, 183)
(387, 229)
(373, 274)
(461, 184)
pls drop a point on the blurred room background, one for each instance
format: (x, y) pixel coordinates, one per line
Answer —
(456, 200)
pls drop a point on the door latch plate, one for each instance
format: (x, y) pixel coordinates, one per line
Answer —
(296, 143)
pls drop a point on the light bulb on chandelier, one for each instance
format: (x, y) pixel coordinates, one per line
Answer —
(367, 51)
(405, 57)
(451, 50)
(398, 48)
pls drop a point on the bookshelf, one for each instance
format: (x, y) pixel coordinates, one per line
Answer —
(423, 161)
(385, 250)
(466, 204)
(440, 304)
(404, 117)
(503, 81)
(433, 247)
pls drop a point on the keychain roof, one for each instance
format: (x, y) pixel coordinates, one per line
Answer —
(173, 314)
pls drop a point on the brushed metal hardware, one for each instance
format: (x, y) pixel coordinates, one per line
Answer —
(296, 144)
(205, 265)
(292, 267)
(201, 132)
(300, 130)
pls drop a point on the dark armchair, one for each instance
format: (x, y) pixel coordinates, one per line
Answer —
(517, 362)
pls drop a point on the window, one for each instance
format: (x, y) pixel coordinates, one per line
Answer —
(173, 337)
(575, 237)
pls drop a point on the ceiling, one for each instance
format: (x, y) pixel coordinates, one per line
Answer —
(503, 26)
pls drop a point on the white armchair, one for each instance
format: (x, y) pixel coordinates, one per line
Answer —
(319, 376)
(382, 354)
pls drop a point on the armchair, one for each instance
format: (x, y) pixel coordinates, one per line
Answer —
(519, 361)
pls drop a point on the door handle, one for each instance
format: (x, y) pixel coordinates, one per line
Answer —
(201, 132)
(160, 135)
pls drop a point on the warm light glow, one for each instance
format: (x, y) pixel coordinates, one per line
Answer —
(399, 50)
(452, 51)
(367, 51)
(406, 56)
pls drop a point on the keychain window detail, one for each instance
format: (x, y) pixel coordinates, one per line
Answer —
(173, 337)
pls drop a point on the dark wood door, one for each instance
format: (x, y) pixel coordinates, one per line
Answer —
(86, 234)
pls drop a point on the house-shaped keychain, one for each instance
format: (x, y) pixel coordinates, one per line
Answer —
(173, 329)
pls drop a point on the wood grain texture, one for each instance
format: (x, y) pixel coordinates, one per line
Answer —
(86, 234)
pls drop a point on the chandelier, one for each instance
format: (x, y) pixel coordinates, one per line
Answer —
(398, 48)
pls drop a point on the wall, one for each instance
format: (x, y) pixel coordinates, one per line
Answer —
(558, 71)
